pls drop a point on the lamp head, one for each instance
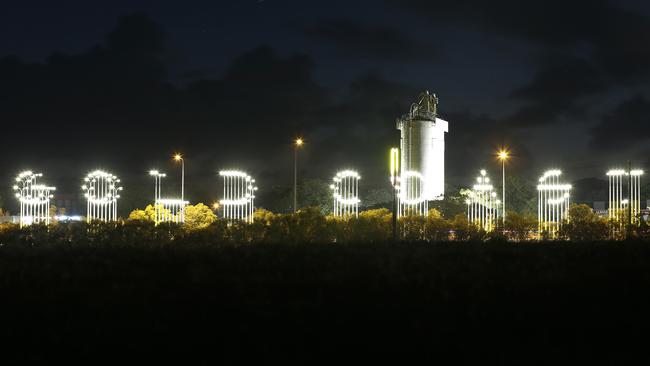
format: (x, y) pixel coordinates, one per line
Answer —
(503, 155)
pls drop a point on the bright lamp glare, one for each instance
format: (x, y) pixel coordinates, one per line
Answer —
(34, 199)
(238, 195)
(101, 196)
(346, 193)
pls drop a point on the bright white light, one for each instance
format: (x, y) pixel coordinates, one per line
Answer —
(636, 172)
(170, 210)
(620, 195)
(553, 199)
(482, 204)
(238, 195)
(616, 172)
(101, 196)
(411, 196)
(346, 193)
(34, 198)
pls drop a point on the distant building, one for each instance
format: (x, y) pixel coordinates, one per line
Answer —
(72, 204)
(600, 208)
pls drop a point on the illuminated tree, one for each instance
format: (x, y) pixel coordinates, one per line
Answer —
(198, 216)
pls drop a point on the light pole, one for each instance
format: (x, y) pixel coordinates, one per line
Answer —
(158, 184)
(503, 156)
(298, 144)
(179, 157)
(394, 181)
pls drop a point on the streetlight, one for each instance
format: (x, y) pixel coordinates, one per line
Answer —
(158, 184)
(503, 156)
(298, 144)
(179, 157)
(394, 181)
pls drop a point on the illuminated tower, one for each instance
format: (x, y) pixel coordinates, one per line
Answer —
(423, 146)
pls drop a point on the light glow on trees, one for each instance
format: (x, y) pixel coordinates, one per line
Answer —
(101, 190)
(170, 210)
(345, 188)
(238, 195)
(482, 204)
(553, 198)
(34, 198)
(166, 209)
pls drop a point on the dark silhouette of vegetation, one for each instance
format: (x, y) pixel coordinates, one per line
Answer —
(171, 298)
(584, 225)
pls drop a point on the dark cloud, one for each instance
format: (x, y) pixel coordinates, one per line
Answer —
(550, 22)
(561, 80)
(472, 143)
(376, 42)
(555, 91)
(595, 46)
(111, 107)
(625, 126)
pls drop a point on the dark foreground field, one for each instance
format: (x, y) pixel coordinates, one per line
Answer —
(464, 302)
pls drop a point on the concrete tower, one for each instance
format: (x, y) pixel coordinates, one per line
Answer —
(423, 145)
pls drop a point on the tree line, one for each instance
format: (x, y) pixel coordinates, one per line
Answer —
(309, 225)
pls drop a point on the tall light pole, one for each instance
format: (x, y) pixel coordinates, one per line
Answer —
(179, 157)
(394, 181)
(503, 156)
(297, 145)
(158, 184)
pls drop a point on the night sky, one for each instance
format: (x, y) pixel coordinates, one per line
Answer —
(123, 85)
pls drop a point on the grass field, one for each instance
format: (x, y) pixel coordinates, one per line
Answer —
(468, 302)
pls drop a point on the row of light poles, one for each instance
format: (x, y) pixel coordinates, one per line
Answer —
(298, 143)
(503, 155)
(158, 178)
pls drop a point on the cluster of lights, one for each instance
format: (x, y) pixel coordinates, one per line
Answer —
(411, 194)
(166, 209)
(101, 191)
(238, 195)
(617, 209)
(170, 210)
(553, 200)
(482, 204)
(34, 198)
(345, 190)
